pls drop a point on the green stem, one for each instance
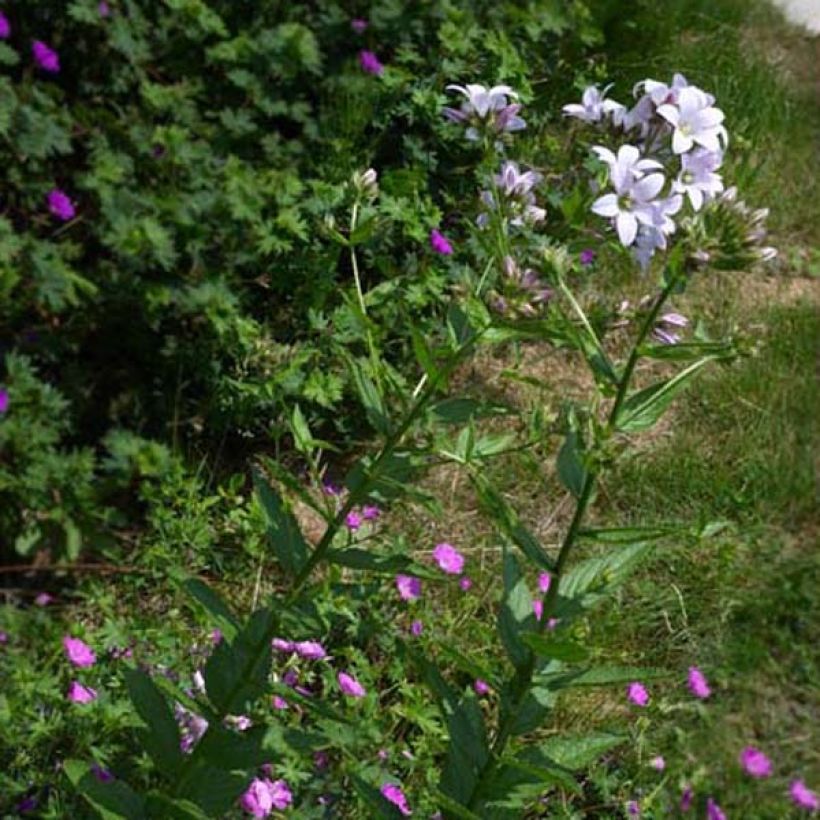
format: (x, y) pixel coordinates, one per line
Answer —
(522, 682)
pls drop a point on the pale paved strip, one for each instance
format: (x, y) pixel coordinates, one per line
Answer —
(802, 12)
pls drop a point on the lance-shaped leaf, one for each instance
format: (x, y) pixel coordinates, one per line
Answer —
(571, 468)
(516, 613)
(369, 396)
(212, 788)
(237, 670)
(467, 750)
(113, 800)
(161, 738)
(532, 710)
(688, 351)
(642, 410)
(375, 800)
(576, 752)
(213, 604)
(556, 680)
(283, 530)
(630, 535)
(546, 646)
(357, 558)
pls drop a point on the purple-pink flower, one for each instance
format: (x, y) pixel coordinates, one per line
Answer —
(101, 773)
(633, 808)
(359, 25)
(636, 692)
(4, 400)
(465, 584)
(449, 558)
(658, 763)
(409, 587)
(43, 599)
(103, 9)
(713, 811)
(310, 650)
(216, 636)
(755, 763)
(370, 512)
(45, 57)
(5, 27)
(481, 687)
(350, 686)
(281, 645)
(393, 794)
(264, 795)
(698, 684)
(686, 798)
(439, 243)
(353, 520)
(416, 628)
(544, 580)
(803, 796)
(78, 652)
(4, 637)
(587, 256)
(279, 703)
(77, 693)
(60, 205)
(370, 62)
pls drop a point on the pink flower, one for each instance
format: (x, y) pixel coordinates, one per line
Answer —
(538, 608)
(281, 795)
(686, 798)
(636, 692)
(439, 243)
(416, 628)
(633, 809)
(409, 587)
(310, 650)
(4, 400)
(5, 27)
(713, 811)
(449, 558)
(60, 205)
(216, 636)
(279, 703)
(77, 693)
(104, 9)
(281, 645)
(587, 256)
(45, 57)
(481, 687)
(78, 652)
(803, 796)
(544, 580)
(101, 773)
(698, 684)
(43, 599)
(353, 521)
(370, 63)
(658, 763)
(239, 722)
(393, 794)
(258, 799)
(321, 760)
(465, 583)
(358, 25)
(370, 512)
(4, 637)
(755, 762)
(350, 686)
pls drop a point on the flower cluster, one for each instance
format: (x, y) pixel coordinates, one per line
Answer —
(524, 292)
(264, 795)
(677, 140)
(513, 196)
(486, 110)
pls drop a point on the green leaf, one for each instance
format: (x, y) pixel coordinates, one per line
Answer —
(452, 807)
(160, 805)
(113, 800)
(302, 438)
(642, 410)
(212, 788)
(370, 398)
(545, 646)
(161, 740)
(424, 355)
(516, 610)
(571, 469)
(579, 751)
(228, 749)
(382, 807)
(688, 351)
(214, 605)
(530, 715)
(283, 530)
(597, 676)
(357, 558)
(463, 410)
(237, 671)
(629, 535)
(467, 750)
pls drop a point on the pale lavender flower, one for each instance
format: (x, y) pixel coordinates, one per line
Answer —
(439, 243)
(661, 93)
(713, 811)
(489, 107)
(694, 121)
(449, 559)
(359, 25)
(515, 187)
(803, 796)
(595, 106)
(198, 680)
(216, 636)
(350, 686)
(43, 599)
(279, 703)
(393, 794)
(5, 27)
(668, 324)
(60, 205)
(77, 693)
(4, 637)
(697, 178)
(409, 587)
(755, 762)
(103, 9)
(698, 684)
(370, 63)
(45, 57)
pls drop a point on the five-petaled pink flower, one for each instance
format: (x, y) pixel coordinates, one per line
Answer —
(755, 762)
(60, 205)
(5, 27)
(370, 62)
(77, 693)
(264, 795)
(78, 652)
(409, 587)
(45, 57)
(803, 796)
(279, 703)
(698, 684)
(393, 794)
(449, 558)
(481, 687)
(439, 243)
(359, 25)
(350, 686)
(636, 692)
(713, 811)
